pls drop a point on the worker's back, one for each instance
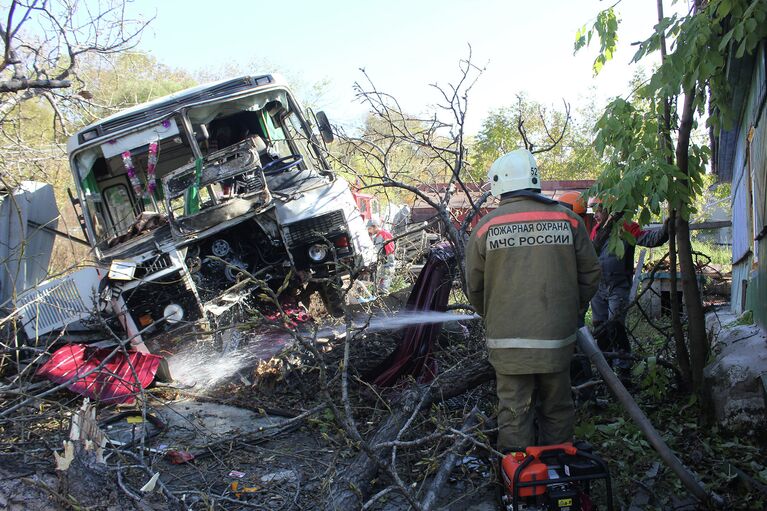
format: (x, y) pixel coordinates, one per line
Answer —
(530, 269)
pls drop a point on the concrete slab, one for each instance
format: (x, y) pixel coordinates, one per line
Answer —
(734, 379)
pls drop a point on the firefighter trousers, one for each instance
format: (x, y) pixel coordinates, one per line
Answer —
(523, 398)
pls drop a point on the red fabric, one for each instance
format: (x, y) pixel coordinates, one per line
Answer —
(631, 227)
(431, 291)
(115, 382)
(532, 216)
(294, 313)
(388, 245)
(179, 457)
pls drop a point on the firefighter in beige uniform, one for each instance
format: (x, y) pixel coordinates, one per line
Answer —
(530, 270)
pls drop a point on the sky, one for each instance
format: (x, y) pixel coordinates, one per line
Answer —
(524, 46)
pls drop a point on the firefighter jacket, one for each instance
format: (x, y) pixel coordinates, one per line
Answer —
(619, 270)
(530, 270)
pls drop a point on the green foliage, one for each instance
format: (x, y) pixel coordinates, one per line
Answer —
(718, 255)
(653, 377)
(573, 158)
(723, 191)
(399, 282)
(641, 177)
(702, 41)
(325, 423)
(32, 123)
(105, 84)
(638, 178)
(498, 135)
(128, 79)
(606, 28)
(747, 318)
(718, 458)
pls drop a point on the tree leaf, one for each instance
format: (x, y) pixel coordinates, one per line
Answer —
(723, 9)
(741, 50)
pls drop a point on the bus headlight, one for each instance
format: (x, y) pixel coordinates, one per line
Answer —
(173, 313)
(318, 252)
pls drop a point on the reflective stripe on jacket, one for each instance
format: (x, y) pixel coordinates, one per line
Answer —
(518, 342)
(530, 270)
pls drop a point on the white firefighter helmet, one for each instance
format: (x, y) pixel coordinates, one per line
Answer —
(514, 171)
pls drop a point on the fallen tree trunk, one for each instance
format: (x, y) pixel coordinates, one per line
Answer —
(588, 345)
(450, 461)
(83, 474)
(353, 483)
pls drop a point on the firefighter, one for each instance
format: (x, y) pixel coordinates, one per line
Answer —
(575, 202)
(609, 304)
(530, 270)
(580, 367)
(385, 250)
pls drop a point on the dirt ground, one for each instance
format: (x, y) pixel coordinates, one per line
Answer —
(240, 430)
(223, 434)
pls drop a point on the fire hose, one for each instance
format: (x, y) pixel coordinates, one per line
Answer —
(588, 345)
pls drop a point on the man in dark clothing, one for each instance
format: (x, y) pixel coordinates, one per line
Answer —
(611, 301)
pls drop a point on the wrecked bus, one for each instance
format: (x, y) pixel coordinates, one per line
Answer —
(193, 201)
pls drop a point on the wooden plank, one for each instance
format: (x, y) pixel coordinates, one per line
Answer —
(701, 226)
(714, 224)
(637, 273)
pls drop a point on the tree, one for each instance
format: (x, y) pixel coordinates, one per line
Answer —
(646, 138)
(44, 45)
(119, 81)
(44, 91)
(571, 157)
(45, 41)
(414, 160)
(411, 154)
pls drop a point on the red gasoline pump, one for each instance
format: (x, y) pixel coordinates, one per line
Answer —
(553, 478)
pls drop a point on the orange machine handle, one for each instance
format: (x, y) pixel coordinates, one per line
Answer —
(536, 451)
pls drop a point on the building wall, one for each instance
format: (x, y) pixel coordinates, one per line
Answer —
(756, 291)
(749, 201)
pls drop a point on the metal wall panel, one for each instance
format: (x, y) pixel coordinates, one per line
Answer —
(754, 157)
(749, 287)
(758, 148)
(741, 226)
(740, 275)
(758, 157)
(756, 292)
(25, 249)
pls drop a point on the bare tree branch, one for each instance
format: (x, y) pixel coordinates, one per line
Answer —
(17, 85)
(555, 140)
